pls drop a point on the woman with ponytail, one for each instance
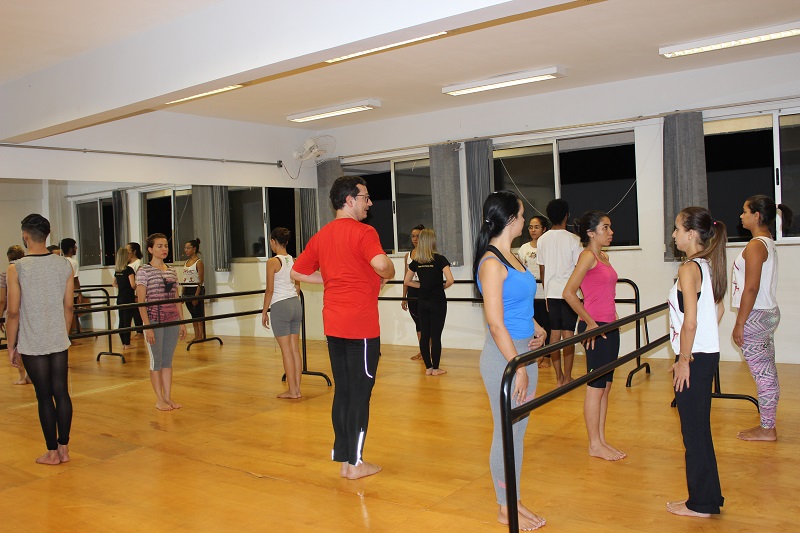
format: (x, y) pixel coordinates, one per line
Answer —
(694, 313)
(508, 290)
(754, 293)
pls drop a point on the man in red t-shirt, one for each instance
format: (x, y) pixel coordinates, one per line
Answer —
(347, 258)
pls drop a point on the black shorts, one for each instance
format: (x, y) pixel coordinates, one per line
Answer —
(562, 317)
(541, 316)
(605, 351)
(196, 307)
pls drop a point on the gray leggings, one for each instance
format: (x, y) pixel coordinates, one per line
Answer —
(492, 366)
(164, 348)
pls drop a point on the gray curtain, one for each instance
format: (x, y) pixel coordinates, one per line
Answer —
(446, 192)
(211, 225)
(222, 229)
(119, 205)
(684, 172)
(327, 172)
(480, 180)
(308, 217)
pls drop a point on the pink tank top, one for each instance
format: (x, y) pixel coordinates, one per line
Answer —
(599, 289)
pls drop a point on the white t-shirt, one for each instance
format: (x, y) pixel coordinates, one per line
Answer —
(527, 254)
(75, 267)
(558, 251)
(135, 264)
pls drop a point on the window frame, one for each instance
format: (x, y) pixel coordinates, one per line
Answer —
(265, 222)
(172, 192)
(97, 201)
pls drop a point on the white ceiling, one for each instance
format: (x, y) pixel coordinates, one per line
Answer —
(597, 43)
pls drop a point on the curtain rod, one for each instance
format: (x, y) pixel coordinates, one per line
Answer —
(640, 118)
(278, 163)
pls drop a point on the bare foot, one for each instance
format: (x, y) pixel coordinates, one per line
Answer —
(544, 362)
(526, 519)
(50, 458)
(174, 405)
(603, 453)
(163, 406)
(428, 371)
(682, 510)
(127, 347)
(621, 454)
(438, 372)
(289, 395)
(22, 381)
(362, 470)
(63, 453)
(677, 502)
(343, 470)
(417, 357)
(759, 433)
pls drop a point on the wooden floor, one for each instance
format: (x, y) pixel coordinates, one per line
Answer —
(237, 459)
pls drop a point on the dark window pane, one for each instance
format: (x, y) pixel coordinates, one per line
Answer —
(184, 223)
(246, 210)
(739, 164)
(159, 220)
(282, 214)
(380, 216)
(88, 236)
(790, 168)
(109, 251)
(414, 203)
(603, 178)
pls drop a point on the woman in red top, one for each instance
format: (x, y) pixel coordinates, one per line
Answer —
(597, 280)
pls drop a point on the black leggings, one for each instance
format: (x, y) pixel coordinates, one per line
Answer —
(49, 376)
(431, 322)
(125, 317)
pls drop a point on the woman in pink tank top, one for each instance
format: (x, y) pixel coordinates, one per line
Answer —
(597, 280)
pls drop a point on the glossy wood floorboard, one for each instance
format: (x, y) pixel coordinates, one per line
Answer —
(235, 458)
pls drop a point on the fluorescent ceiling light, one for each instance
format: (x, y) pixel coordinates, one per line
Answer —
(216, 91)
(343, 109)
(733, 39)
(395, 45)
(506, 80)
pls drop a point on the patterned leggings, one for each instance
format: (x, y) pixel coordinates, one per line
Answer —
(758, 347)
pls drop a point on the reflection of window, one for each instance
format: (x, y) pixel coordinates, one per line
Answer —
(528, 171)
(599, 172)
(789, 183)
(169, 212)
(413, 201)
(400, 192)
(95, 232)
(739, 164)
(251, 224)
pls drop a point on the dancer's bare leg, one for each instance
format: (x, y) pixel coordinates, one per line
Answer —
(158, 388)
(363, 469)
(592, 414)
(527, 520)
(568, 355)
(292, 365)
(679, 508)
(50, 458)
(63, 453)
(759, 434)
(343, 470)
(555, 336)
(166, 383)
(544, 362)
(603, 414)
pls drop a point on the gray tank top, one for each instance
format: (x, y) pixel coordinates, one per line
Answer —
(42, 283)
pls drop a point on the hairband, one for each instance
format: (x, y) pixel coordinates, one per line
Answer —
(486, 220)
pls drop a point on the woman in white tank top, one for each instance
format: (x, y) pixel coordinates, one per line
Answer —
(754, 293)
(281, 301)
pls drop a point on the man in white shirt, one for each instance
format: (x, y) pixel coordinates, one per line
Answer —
(557, 255)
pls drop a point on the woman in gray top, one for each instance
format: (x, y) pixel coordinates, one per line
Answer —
(40, 293)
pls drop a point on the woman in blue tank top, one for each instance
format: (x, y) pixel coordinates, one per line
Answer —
(508, 290)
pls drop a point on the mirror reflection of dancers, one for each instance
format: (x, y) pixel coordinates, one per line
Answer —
(194, 274)
(157, 281)
(508, 290)
(528, 254)
(40, 311)
(412, 306)
(694, 314)
(125, 283)
(754, 293)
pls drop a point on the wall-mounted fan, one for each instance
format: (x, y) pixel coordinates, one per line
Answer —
(315, 147)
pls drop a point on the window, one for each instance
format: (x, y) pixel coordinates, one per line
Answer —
(529, 172)
(789, 181)
(251, 223)
(595, 172)
(96, 245)
(599, 172)
(400, 192)
(739, 164)
(169, 211)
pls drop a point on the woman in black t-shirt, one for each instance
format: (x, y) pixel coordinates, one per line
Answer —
(429, 268)
(125, 282)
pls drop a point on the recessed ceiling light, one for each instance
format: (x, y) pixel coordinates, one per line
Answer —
(395, 45)
(506, 80)
(209, 93)
(731, 40)
(333, 111)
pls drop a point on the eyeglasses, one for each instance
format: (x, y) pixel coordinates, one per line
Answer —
(365, 196)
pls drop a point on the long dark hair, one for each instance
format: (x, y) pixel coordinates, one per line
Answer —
(765, 206)
(713, 236)
(589, 222)
(499, 210)
(136, 249)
